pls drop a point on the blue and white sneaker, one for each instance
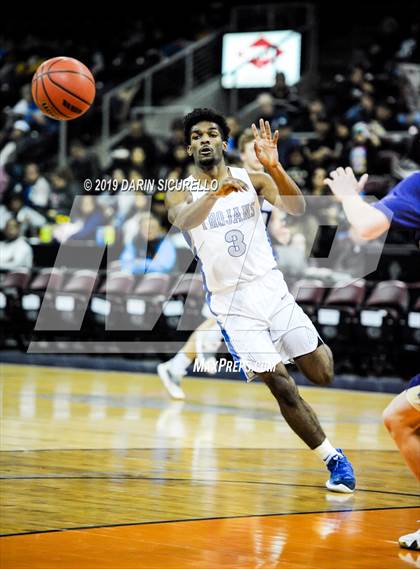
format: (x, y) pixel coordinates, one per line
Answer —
(342, 477)
(171, 381)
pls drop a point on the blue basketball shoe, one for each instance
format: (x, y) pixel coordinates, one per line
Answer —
(342, 477)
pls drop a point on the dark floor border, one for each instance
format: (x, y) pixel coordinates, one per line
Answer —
(84, 528)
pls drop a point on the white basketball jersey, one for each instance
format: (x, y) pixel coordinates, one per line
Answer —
(232, 242)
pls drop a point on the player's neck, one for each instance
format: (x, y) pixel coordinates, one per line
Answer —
(216, 172)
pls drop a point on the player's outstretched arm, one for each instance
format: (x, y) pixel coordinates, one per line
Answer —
(367, 221)
(276, 186)
(185, 213)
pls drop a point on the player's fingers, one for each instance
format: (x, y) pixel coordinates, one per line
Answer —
(327, 182)
(340, 171)
(333, 174)
(350, 173)
(255, 131)
(267, 130)
(262, 128)
(362, 182)
(276, 137)
(239, 183)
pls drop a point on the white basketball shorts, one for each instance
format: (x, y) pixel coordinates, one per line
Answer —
(262, 324)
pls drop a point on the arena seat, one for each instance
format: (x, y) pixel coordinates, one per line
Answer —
(183, 311)
(309, 294)
(144, 305)
(336, 315)
(67, 307)
(42, 287)
(107, 304)
(11, 286)
(381, 321)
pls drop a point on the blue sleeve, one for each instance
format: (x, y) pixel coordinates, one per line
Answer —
(130, 263)
(402, 205)
(165, 258)
(89, 227)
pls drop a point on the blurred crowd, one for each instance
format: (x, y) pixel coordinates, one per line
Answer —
(367, 117)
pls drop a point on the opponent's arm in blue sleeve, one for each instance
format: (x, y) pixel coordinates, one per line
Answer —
(400, 207)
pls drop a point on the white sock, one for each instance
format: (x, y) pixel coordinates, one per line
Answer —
(180, 363)
(326, 451)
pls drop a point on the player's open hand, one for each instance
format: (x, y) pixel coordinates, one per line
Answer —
(343, 183)
(229, 185)
(266, 144)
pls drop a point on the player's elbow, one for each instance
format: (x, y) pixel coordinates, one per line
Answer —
(369, 232)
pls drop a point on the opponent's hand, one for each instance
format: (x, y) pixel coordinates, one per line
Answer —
(227, 186)
(343, 183)
(266, 145)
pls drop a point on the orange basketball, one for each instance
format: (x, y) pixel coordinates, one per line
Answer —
(63, 88)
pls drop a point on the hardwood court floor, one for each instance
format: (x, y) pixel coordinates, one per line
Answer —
(217, 481)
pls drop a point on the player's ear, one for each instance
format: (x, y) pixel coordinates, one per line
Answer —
(189, 150)
(224, 145)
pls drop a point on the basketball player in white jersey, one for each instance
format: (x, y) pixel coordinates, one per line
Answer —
(205, 341)
(262, 325)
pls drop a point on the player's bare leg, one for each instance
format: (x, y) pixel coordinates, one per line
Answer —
(403, 423)
(402, 419)
(303, 421)
(318, 366)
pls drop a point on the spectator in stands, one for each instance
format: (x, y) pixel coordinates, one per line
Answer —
(177, 133)
(280, 90)
(320, 150)
(29, 219)
(361, 111)
(352, 256)
(177, 159)
(363, 149)
(15, 252)
(36, 188)
(129, 221)
(14, 142)
(287, 142)
(138, 138)
(174, 143)
(64, 189)
(266, 108)
(384, 116)
(298, 168)
(25, 108)
(87, 218)
(289, 247)
(137, 159)
(148, 251)
(314, 111)
(234, 133)
(83, 163)
(342, 142)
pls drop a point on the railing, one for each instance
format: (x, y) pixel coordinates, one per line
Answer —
(171, 78)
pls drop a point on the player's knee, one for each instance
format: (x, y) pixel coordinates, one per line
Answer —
(326, 374)
(282, 386)
(388, 418)
(327, 368)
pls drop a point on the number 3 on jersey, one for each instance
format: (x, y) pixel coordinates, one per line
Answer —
(238, 245)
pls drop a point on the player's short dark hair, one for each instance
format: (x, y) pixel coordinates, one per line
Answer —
(198, 115)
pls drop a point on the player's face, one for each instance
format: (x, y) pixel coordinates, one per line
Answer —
(249, 158)
(206, 146)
